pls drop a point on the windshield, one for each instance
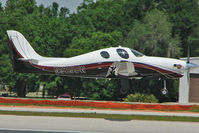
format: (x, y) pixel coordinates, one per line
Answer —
(136, 53)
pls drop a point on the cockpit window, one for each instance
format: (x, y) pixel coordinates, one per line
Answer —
(105, 54)
(136, 53)
(122, 53)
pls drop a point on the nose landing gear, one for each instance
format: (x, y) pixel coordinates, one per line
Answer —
(164, 90)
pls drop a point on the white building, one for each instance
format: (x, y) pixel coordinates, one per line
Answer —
(189, 84)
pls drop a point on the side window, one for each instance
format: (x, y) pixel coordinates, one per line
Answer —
(122, 53)
(105, 54)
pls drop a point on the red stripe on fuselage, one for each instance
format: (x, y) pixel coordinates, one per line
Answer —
(98, 65)
(157, 69)
(88, 66)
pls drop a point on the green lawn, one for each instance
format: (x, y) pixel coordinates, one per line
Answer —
(104, 116)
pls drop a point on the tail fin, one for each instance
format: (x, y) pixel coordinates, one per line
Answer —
(21, 52)
(22, 46)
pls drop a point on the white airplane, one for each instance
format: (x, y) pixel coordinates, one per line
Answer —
(115, 62)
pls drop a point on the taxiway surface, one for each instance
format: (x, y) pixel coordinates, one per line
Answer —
(35, 124)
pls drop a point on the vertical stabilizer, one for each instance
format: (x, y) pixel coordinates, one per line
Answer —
(21, 45)
(23, 56)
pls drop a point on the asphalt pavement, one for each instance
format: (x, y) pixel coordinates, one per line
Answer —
(43, 124)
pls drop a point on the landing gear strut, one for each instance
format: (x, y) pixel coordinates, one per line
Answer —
(124, 86)
(164, 90)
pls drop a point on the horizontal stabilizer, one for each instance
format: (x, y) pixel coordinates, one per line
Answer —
(34, 61)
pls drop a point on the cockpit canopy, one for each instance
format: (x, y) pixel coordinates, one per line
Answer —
(136, 53)
(121, 52)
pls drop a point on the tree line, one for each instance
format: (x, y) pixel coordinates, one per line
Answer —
(156, 28)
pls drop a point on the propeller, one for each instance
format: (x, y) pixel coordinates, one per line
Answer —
(189, 65)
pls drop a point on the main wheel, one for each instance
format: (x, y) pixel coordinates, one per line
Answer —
(124, 91)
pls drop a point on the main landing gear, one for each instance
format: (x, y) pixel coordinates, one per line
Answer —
(124, 82)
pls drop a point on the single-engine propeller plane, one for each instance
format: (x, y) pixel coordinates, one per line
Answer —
(115, 62)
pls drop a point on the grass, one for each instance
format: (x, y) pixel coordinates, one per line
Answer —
(104, 116)
(195, 109)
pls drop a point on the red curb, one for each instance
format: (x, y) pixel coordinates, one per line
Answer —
(111, 105)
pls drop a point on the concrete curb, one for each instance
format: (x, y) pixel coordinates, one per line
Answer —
(99, 111)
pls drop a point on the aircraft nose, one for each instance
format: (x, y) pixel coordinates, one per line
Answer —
(185, 66)
(180, 65)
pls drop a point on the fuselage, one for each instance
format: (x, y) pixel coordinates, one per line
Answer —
(96, 64)
(114, 62)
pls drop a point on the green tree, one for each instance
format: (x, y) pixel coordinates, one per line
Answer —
(153, 36)
(184, 16)
(155, 27)
(64, 12)
(193, 41)
(22, 6)
(33, 22)
(101, 89)
(55, 9)
(98, 40)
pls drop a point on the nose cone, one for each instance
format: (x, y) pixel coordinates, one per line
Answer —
(167, 63)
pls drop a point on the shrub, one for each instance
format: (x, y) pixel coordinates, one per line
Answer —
(138, 97)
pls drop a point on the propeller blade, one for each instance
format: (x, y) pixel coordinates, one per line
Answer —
(191, 65)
